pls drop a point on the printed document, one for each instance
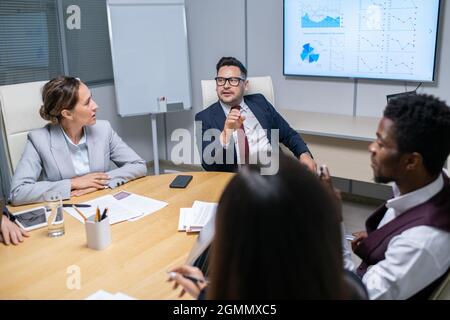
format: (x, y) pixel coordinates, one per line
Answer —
(121, 206)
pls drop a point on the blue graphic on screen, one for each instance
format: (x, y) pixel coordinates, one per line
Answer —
(327, 22)
(308, 54)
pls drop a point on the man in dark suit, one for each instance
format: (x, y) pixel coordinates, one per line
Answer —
(237, 130)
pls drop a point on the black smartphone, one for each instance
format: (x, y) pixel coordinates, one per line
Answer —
(181, 181)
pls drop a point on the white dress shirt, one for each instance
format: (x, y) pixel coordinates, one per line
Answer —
(414, 258)
(256, 135)
(79, 154)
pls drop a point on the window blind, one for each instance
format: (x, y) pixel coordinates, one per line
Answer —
(30, 43)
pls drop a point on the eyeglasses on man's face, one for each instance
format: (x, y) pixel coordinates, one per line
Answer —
(233, 81)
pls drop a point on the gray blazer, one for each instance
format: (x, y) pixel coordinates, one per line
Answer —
(46, 163)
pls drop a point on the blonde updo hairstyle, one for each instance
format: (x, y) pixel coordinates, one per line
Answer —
(59, 94)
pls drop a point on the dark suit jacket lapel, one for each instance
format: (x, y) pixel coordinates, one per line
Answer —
(61, 153)
(218, 115)
(95, 152)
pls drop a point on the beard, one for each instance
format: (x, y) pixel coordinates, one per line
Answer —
(382, 179)
(231, 101)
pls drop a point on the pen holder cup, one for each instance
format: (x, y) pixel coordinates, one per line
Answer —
(98, 234)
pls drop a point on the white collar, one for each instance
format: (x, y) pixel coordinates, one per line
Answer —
(227, 107)
(80, 143)
(401, 203)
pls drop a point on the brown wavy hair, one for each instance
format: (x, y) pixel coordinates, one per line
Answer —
(58, 94)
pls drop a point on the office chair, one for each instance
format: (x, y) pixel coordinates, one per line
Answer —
(20, 105)
(354, 287)
(442, 292)
(261, 85)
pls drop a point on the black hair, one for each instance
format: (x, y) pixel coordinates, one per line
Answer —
(231, 61)
(277, 237)
(422, 125)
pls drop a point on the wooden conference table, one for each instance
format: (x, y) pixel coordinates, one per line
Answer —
(134, 264)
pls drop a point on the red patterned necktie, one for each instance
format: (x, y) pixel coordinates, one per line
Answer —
(244, 150)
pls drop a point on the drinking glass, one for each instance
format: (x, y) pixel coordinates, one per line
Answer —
(55, 214)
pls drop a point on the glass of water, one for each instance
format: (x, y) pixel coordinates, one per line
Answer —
(55, 217)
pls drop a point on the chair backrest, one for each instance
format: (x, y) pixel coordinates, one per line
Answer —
(442, 292)
(354, 287)
(261, 85)
(20, 105)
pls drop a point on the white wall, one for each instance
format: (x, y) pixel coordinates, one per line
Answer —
(217, 28)
(135, 131)
(329, 95)
(265, 57)
(372, 94)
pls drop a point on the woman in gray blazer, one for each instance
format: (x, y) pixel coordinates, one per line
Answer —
(71, 155)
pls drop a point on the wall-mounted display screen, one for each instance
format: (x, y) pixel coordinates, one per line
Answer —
(381, 39)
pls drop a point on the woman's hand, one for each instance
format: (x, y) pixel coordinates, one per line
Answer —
(11, 232)
(309, 162)
(190, 278)
(97, 180)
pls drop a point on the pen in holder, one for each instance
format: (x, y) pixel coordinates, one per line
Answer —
(98, 234)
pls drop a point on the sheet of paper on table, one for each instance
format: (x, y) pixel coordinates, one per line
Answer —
(104, 295)
(195, 218)
(121, 206)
